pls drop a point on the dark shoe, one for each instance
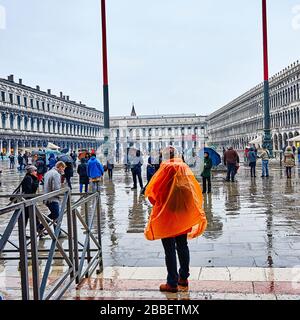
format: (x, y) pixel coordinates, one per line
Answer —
(167, 288)
(62, 235)
(262, 176)
(43, 234)
(183, 283)
(134, 188)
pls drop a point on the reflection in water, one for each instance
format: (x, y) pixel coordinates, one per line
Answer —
(267, 189)
(289, 187)
(253, 190)
(110, 205)
(136, 216)
(232, 198)
(127, 179)
(213, 223)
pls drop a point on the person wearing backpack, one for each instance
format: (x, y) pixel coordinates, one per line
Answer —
(41, 168)
(82, 170)
(95, 172)
(265, 156)
(177, 215)
(151, 169)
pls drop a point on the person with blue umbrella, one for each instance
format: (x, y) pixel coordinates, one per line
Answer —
(206, 173)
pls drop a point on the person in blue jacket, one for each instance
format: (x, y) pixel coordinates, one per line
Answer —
(51, 161)
(95, 172)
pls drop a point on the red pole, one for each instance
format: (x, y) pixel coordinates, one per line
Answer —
(104, 43)
(105, 72)
(265, 40)
(267, 128)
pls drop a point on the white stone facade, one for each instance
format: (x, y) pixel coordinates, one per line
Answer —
(184, 131)
(241, 120)
(32, 118)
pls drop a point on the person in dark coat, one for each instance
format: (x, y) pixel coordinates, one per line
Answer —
(136, 169)
(151, 169)
(252, 158)
(21, 162)
(41, 168)
(82, 170)
(11, 161)
(25, 157)
(231, 160)
(29, 185)
(74, 157)
(110, 166)
(206, 173)
(69, 173)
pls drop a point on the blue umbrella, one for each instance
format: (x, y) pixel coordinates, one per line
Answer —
(64, 158)
(214, 156)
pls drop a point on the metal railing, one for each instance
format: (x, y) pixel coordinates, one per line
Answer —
(80, 258)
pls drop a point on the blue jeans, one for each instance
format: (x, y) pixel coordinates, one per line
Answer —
(265, 168)
(231, 171)
(171, 245)
(86, 187)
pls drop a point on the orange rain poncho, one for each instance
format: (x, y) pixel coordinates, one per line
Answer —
(177, 199)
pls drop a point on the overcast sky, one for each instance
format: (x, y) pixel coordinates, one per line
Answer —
(166, 56)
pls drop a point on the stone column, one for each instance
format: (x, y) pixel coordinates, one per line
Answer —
(15, 122)
(8, 146)
(22, 122)
(16, 148)
(34, 124)
(7, 121)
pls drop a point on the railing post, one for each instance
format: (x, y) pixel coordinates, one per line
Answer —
(70, 235)
(86, 211)
(75, 246)
(34, 254)
(23, 255)
(98, 208)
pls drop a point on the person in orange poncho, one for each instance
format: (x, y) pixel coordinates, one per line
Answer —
(176, 216)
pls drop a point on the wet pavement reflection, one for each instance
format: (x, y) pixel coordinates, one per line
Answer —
(251, 223)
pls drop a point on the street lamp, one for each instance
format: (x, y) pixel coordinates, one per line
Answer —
(267, 142)
(105, 77)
